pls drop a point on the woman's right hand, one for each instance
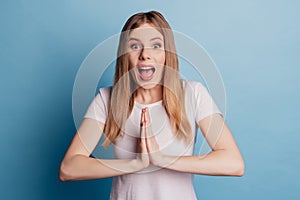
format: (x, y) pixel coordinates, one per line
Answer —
(142, 154)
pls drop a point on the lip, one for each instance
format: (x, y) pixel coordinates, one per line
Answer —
(144, 73)
(144, 65)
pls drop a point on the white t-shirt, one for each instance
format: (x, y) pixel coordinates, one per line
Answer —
(154, 183)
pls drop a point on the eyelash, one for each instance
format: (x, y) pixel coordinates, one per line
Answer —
(138, 46)
(135, 46)
(157, 44)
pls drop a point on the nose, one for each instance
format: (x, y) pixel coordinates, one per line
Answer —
(145, 54)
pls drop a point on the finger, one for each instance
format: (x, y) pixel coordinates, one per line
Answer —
(147, 116)
(148, 123)
(142, 117)
(151, 142)
(149, 132)
(148, 129)
(143, 127)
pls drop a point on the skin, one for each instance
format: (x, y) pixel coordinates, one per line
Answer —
(146, 47)
(224, 159)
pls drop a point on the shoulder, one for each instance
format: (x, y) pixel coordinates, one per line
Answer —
(193, 86)
(104, 94)
(105, 91)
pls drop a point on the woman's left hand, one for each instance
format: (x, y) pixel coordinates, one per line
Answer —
(155, 155)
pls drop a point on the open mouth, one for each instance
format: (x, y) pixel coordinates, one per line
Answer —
(146, 72)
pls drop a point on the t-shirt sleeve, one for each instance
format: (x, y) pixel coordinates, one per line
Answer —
(98, 108)
(205, 105)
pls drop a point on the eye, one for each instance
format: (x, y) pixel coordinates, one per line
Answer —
(135, 46)
(157, 46)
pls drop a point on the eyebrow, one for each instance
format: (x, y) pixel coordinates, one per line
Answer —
(155, 38)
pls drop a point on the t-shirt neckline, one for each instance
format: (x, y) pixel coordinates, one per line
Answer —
(140, 105)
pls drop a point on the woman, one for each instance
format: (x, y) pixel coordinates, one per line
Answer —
(150, 116)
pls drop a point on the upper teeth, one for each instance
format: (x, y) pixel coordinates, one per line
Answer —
(145, 68)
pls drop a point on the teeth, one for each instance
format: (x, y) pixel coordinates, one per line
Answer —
(141, 69)
(145, 68)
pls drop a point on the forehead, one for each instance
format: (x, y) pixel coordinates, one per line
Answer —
(145, 31)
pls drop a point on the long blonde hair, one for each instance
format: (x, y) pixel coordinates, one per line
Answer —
(121, 98)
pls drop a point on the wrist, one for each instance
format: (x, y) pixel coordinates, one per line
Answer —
(164, 161)
(159, 159)
(137, 165)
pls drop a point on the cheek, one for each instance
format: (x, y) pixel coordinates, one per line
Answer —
(161, 59)
(132, 58)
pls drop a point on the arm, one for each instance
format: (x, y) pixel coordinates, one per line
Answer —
(77, 165)
(224, 159)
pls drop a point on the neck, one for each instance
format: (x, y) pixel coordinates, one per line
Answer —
(148, 96)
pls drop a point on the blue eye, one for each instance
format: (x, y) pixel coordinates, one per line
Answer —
(157, 46)
(135, 46)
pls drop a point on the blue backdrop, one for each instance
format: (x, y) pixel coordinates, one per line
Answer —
(255, 45)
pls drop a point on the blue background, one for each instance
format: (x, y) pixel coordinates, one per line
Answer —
(255, 45)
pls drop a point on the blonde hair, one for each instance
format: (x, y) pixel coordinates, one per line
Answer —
(121, 98)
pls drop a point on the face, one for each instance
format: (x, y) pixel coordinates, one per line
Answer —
(145, 47)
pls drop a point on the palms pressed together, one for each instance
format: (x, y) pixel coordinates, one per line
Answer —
(148, 148)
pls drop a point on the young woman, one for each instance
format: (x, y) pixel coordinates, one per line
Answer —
(151, 116)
